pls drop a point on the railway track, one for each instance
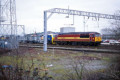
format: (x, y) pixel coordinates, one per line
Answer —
(102, 46)
(76, 49)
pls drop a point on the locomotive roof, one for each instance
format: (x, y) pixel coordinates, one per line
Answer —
(78, 33)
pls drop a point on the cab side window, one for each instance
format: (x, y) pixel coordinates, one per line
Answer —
(92, 35)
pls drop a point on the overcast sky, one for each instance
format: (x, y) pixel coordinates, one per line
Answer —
(30, 14)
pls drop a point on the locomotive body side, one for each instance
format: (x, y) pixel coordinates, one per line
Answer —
(71, 37)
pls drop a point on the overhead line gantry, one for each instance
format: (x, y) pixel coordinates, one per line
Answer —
(72, 12)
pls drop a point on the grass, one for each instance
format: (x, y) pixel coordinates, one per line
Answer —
(35, 58)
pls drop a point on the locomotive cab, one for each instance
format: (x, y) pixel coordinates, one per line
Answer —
(98, 38)
(95, 38)
(50, 38)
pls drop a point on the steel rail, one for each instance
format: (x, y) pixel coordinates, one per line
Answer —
(77, 49)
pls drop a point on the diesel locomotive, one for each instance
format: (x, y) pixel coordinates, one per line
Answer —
(76, 38)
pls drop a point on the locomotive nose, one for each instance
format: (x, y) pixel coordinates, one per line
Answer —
(98, 39)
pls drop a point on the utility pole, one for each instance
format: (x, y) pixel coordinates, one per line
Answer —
(84, 22)
(45, 31)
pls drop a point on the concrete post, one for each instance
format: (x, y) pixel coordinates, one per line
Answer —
(45, 31)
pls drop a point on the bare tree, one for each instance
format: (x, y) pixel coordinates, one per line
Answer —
(106, 33)
(115, 26)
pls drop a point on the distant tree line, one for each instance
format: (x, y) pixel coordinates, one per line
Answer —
(113, 31)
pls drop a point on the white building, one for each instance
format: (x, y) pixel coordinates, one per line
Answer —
(67, 29)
